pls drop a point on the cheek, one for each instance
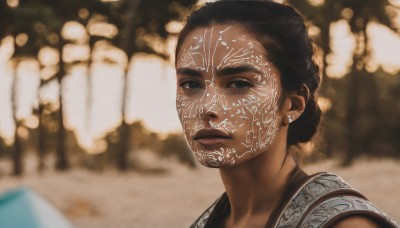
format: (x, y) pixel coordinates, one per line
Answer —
(182, 108)
(180, 105)
(258, 114)
(187, 109)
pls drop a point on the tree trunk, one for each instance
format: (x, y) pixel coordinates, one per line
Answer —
(62, 162)
(352, 111)
(361, 54)
(41, 146)
(17, 156)
(326, 89)
(41, 139)
(125, 146)
(325, 45)
(127, 45)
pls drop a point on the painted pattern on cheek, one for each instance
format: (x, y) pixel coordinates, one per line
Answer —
(251, 118)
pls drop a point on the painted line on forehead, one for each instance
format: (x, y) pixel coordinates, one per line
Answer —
(243, 51)
(182, 60)
(191, 56)
(209, 49)
(204, 48)
(216, 43)
(227, 58)
(214, 51)
(242, 57)
(226, 29)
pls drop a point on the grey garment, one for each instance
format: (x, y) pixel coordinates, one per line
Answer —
(324, 214)
(325, 199)
(321, 201)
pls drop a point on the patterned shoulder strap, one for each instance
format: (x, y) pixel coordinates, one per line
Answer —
(314, 190)
(203, 219)
(319, 202)
(333, 209)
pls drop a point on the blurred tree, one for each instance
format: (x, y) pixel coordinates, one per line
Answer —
(5, 19)
(18, 150)
(141, 137)
(22, 22)
(142, 26)
(37, 24)
(175, 145)
(3, 148)
(359, 15)
(7, 29)
(320, 17)
(362, 14)
(67, 11)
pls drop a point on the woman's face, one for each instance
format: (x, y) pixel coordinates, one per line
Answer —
(227, 95)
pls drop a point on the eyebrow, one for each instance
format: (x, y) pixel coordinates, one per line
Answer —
(223, 72)
(188, 71)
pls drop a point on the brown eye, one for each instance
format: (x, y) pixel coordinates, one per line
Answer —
(190, 85)
(240, 84)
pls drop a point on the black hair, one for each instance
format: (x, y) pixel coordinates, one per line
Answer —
(282, 32)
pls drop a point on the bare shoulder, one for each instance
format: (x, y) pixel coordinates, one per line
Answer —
(356, 221)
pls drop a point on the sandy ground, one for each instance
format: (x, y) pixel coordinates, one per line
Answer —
(176, 198)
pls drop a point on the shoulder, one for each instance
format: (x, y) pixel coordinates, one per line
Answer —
(326, 199)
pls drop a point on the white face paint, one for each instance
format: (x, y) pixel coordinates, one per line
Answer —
(225, 83)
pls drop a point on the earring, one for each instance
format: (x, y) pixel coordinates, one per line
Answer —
(290, 118)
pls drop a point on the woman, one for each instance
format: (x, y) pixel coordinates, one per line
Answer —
(246, 84)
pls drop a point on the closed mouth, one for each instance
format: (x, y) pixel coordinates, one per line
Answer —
(211, 138)
(211, 133)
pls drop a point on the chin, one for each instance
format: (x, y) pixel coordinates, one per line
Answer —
(214, 159)
(212, 164)
(210, 160)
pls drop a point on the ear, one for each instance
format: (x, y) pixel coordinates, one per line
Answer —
(294, 104)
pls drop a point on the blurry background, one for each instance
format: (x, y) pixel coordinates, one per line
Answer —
(87, 93)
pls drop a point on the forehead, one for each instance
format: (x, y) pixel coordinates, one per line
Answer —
(222, 38)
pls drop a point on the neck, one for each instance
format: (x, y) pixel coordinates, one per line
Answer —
(255, 186)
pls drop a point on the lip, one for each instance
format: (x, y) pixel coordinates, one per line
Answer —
(211, 138)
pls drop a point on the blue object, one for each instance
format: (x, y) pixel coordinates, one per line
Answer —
(23, 208)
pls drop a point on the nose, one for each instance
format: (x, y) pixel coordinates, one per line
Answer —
(208, 107)
(208, 113)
